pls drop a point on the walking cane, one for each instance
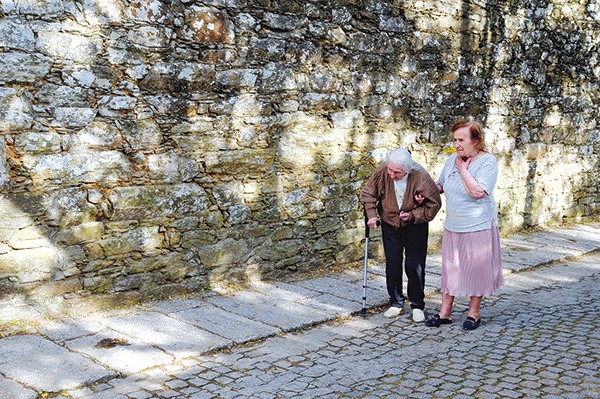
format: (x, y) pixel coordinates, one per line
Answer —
(364, 297)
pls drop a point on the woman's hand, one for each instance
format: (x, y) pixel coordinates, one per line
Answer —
(462, 164)
(373, 223)
(419, 198)
(468, 180)
(405, 216)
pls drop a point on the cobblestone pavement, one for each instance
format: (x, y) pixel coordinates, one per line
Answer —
(539, 338)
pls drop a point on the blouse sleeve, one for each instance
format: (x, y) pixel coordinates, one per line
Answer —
(444, 173)
(487, 174)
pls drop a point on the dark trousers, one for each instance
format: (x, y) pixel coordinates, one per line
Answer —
(406, 244)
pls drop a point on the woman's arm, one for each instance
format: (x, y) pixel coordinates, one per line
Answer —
(468, 180)
(427, 199)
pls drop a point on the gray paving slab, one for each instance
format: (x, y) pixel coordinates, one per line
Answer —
(373, 268)
(537, 257)
(376, 284)
(119, 352)
(583, 237)
(573, 242)
(376, 287)
(235, 328)
(19, 309)
(171, 335)
(374, 299)
(434, 260)
(257, 306)
(12, 390)
(70, 328)
(335, 306)
(333, 286)
(516, 266)
(346, 291)
(282, 291)
(176, 304)
(565, 273)
(42, 365)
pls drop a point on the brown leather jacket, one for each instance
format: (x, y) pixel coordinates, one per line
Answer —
(379, 197)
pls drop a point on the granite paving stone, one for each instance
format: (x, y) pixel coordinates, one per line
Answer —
(60, 331)
(127, 356)
(52, 366)
(285, 315)
(235, 328)
(173, 336)
(12, 390)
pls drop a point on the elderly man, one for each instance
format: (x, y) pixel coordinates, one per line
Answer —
(403, 194)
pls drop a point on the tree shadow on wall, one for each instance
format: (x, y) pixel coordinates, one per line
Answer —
(532, 69)
(279, 187)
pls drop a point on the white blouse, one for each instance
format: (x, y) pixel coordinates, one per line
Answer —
(463, 212)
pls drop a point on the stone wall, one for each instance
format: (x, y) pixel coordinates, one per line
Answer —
(152, 148)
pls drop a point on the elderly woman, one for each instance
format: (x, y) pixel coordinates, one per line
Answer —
(471, 264)
(406, 199)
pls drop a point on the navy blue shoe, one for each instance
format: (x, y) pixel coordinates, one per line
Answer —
(436, 321)
(471, 323)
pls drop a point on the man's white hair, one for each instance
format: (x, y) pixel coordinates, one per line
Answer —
(401, 157)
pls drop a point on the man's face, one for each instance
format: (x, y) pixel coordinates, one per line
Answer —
(395, 172)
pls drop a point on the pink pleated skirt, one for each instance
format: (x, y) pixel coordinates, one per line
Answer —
(471, 263)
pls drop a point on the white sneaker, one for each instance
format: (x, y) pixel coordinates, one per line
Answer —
(418, 315)
(393, 311)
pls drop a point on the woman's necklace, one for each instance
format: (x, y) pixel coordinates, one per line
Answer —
(474, 157)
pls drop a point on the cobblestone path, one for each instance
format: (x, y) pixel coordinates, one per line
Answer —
(539, 338)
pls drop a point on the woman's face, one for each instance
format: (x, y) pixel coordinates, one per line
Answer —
(395, 171)
(465, 146)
